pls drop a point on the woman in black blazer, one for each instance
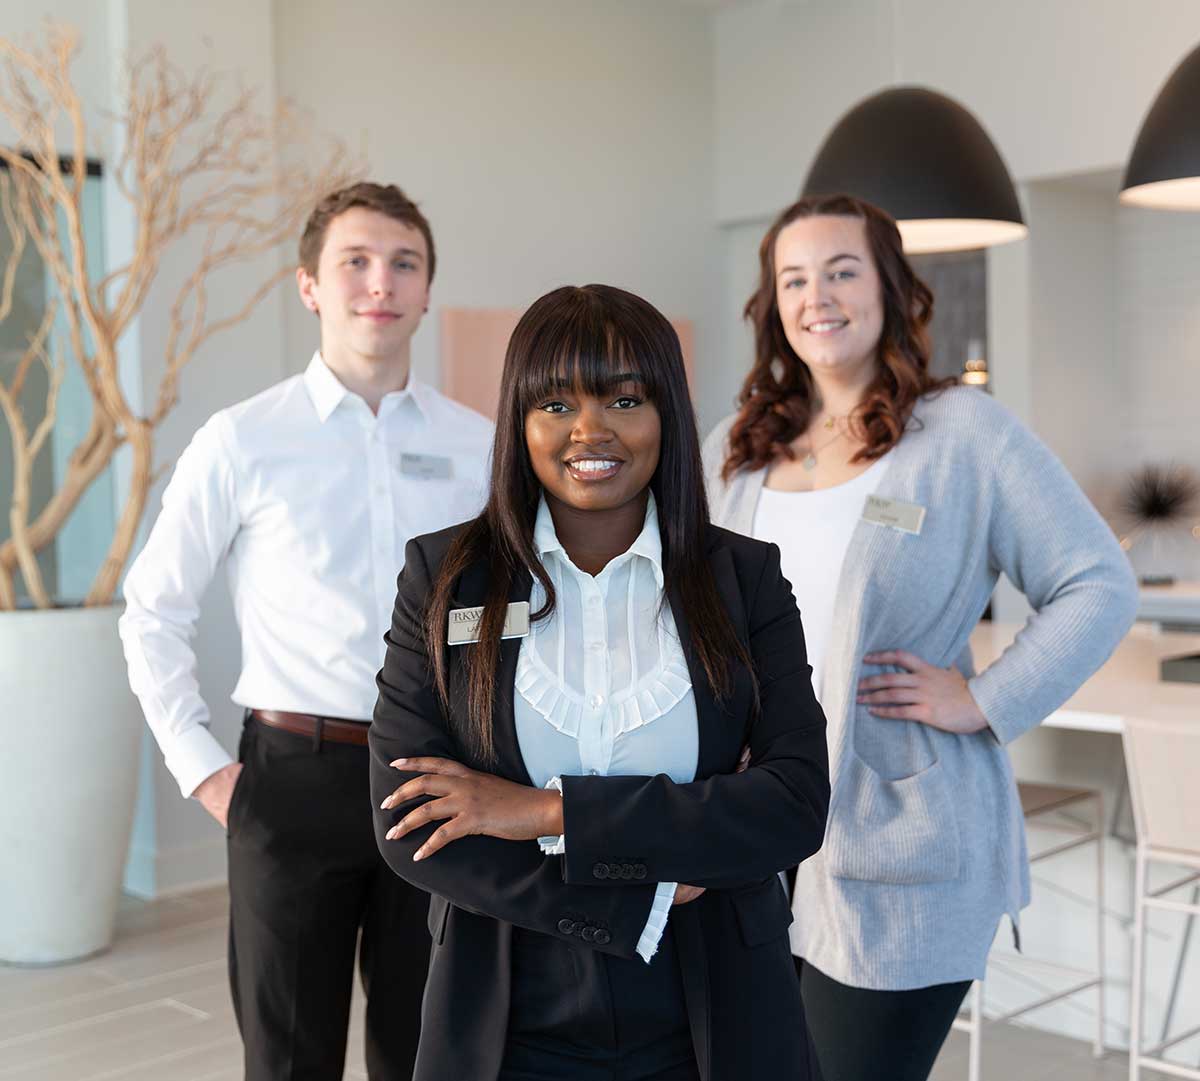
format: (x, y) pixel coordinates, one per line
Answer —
(653, 945)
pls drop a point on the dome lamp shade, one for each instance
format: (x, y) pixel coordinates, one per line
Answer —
(1164, 168)
(927, 161)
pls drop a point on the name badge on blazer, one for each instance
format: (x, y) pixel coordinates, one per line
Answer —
(464, 623)
(426, 466)
(894, 513)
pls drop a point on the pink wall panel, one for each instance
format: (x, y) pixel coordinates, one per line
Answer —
(473, 341)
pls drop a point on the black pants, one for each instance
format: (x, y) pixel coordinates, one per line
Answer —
(580, 1015)
(305, 877)
(862, 1035)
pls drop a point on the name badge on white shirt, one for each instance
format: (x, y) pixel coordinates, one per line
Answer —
(426, 466)
(894, 513)
(464, 623)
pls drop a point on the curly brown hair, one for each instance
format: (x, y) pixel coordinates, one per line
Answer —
(778, 399)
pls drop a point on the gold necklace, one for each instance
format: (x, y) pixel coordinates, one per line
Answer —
(809, 461)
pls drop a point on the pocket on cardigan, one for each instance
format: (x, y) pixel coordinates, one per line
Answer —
(902, 831)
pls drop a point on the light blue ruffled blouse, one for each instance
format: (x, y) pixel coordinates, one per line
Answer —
(602, 685)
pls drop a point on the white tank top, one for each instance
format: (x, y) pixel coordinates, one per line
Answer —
(813, 531)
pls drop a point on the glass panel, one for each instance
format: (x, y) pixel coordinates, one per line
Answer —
(69, 564)
(958, 332)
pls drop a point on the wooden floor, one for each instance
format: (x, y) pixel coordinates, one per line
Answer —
(156, 1008)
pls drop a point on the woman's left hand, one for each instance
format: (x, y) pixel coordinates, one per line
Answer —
(938, 697)
(471, 802)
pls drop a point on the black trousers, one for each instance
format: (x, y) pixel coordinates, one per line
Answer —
(861, 1035)
(305, 879)
(580, 1015)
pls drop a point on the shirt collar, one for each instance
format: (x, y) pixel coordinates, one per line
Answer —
(328, 392)
(648, 543)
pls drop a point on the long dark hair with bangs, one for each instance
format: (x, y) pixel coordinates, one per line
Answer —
(583, 337)
(778, 399)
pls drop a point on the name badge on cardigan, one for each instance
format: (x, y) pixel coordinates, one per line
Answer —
(894, 513)
(464, 623)
(426, 466)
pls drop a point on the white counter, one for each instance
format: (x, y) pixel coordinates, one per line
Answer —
(1128, 685)
(1177, 603)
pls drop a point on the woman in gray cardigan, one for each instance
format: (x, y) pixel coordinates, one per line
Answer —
(897, 501)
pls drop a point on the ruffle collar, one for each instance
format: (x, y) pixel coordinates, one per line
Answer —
(656, 694)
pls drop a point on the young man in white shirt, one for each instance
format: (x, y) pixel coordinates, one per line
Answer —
(308, 492)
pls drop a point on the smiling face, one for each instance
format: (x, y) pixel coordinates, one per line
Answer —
(829, 295)
(594, 452)
(371, 287)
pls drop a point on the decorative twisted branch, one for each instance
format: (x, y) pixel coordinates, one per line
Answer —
(191, 170)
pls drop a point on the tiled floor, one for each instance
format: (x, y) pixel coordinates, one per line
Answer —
(156, 1008)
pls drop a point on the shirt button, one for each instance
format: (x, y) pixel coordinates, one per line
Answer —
(595, 646)
(596, 701)
(594, 599)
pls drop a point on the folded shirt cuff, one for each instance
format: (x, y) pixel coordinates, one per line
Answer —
(193, 756)
(554, 846)
(652, 933)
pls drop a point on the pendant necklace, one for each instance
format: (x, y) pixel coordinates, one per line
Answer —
(809, 461)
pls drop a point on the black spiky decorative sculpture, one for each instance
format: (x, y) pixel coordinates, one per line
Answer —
(1159, 499)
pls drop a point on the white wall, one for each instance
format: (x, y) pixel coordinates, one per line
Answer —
(1094, 322)
(176, 844)
(25, 23)
(1061, 86)
(548, 142)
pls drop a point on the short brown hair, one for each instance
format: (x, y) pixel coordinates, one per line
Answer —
(777, 400)
(386, 199)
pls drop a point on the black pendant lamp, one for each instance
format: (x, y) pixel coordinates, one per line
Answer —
(1164, 168)
(926, 161)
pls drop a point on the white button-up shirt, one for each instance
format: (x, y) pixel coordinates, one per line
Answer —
(309, 498)
(603, 687)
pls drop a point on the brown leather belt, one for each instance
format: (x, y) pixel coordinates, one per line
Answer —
(316, 728)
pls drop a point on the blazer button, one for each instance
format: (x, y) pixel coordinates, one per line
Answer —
(588, 933)
(603, 938)
(567, 927)
(600, 870)
(627, 871)
(614, 870)
(639, 871)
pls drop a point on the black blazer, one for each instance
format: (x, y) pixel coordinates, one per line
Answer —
(730, 833)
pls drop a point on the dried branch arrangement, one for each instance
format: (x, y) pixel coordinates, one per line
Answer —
(221, 177)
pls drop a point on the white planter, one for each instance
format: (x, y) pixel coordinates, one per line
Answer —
(69, 737)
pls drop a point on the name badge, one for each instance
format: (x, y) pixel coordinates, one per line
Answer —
(426, 466)
(894, 513)
(464, 623)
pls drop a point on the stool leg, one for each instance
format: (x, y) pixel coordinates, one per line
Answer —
(1098, 1046)
(974, 1049)
(1136, 982)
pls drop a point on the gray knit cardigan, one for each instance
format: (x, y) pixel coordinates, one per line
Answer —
(925, 847)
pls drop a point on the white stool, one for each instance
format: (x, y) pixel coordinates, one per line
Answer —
(1163, 760)
(1038, 800)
